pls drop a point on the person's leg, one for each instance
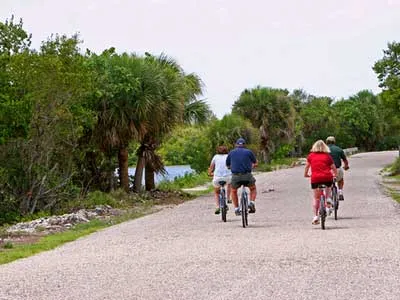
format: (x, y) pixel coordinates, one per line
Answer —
(253, 192)
(316, 195)
(234, 196)
(328, 193)
(340, 183)
(228, 189)
(315, 205)
(216, 196)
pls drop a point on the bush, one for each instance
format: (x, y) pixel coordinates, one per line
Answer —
(395, 168)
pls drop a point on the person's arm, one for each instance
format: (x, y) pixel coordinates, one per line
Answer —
(307, 169)
(228, 161)
(253, 160)
(211, 169)
(345, 161)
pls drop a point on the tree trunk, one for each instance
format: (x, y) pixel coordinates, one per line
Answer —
(139, 173)
(149, 178)
(264, 144)
(123, 169)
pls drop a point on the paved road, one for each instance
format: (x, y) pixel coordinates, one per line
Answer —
(188, 253)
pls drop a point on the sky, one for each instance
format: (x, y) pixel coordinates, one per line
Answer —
(326, 47)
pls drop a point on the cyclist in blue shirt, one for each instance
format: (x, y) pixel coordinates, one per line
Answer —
(241, 161)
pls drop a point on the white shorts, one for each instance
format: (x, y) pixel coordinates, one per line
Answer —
(216, 180)
(340, 174)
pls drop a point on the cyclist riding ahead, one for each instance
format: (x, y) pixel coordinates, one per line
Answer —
(241, 161)
(338, 155)
(220, 172)
(322, 172)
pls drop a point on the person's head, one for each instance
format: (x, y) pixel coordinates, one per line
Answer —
(320, 146)
(222, 149)
(241, 142)
(330, 140)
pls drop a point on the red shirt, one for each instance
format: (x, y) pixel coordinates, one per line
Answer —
(320, 163)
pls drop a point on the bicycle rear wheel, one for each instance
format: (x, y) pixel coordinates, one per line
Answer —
(222, 204)
(335, 201)
(244, 208)
(322, 212)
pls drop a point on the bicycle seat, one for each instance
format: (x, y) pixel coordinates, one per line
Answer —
(222, 182)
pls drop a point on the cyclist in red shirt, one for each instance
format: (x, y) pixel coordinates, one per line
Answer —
(322, 172)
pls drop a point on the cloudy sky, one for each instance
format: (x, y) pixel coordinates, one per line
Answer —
(326, 47)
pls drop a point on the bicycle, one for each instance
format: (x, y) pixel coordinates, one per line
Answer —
(335, 200)
(322, 205)
(222, 200)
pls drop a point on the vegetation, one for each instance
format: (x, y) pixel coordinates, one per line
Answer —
(11, 252)
(69, 119)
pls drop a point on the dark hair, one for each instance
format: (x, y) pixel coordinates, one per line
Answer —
(222, 150)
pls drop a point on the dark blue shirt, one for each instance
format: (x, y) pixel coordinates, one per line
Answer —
(240, 160)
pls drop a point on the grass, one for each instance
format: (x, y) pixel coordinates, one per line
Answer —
(14, 251)
(276, 164)
(189, 180)
(392, 181)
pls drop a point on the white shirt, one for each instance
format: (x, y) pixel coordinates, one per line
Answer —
(220, 169)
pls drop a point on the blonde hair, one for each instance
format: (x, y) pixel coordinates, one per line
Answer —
(320, 146)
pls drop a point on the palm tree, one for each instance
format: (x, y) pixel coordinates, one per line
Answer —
(125, 99)
(178, 104)
(272, 112)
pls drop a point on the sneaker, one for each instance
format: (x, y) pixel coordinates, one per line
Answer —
(229, 201)
(217, 211)
(237, 211)
(315, 220)
(252, 207)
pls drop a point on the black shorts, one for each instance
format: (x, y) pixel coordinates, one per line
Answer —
(315, 185)
(238, 179)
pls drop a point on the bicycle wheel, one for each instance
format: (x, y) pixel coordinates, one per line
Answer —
(246, 201)
(322, 212)
(335, 201)
(222, 204)
(244, 208)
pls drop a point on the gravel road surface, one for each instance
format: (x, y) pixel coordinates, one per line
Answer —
(188, 253)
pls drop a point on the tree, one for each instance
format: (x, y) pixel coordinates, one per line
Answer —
(15, 108)
(361, 113)
(388, 71)
(318, 118)
(272, 111)
(178, 104)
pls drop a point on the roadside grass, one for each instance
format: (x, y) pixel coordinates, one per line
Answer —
(13, 251)
(136, 205)
(189, 180)
(392, 179)
(276, 164)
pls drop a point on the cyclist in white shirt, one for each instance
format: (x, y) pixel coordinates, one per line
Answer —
(220, 172)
